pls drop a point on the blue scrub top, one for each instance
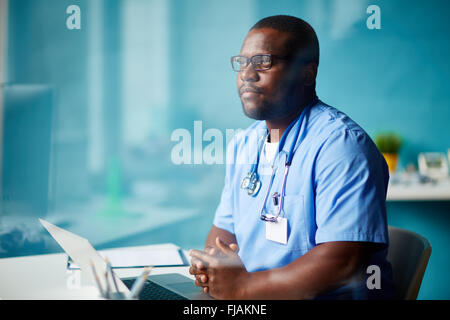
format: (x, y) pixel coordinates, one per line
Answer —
(335, 191)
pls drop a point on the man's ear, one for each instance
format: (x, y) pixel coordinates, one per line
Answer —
(310, 73)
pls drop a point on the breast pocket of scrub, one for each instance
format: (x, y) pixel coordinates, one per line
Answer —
(294, 211)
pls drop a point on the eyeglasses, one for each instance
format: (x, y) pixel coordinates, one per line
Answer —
(260, 62)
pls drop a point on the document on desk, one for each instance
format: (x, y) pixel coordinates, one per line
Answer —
(141, 257)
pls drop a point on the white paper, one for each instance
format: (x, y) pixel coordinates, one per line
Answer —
(122, 258)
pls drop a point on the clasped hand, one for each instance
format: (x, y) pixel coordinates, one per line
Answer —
(219, 271)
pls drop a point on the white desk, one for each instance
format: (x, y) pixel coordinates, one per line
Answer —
(45, 277)
(419, 192)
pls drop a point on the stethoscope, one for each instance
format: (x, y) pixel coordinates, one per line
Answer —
(251, 181)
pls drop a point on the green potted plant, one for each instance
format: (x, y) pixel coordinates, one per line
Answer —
(389, 145)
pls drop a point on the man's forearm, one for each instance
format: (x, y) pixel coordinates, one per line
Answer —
(311, 275)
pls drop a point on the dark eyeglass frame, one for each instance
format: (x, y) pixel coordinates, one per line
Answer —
(253, 62)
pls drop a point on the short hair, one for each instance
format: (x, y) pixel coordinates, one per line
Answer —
(303, 43)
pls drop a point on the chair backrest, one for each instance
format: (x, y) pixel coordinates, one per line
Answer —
(408, 254)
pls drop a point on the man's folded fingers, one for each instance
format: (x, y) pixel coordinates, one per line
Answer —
(201, 278)
(200, 284)
(198, 264)
(201, 256)
(192, 270)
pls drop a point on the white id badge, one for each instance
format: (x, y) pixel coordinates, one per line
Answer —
(277, 231)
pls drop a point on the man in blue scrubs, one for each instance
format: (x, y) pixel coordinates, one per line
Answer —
(332, 225)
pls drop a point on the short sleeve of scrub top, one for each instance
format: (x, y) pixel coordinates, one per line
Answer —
(351, 183)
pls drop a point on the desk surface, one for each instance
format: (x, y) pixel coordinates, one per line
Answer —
(46, 277)
(419, 192)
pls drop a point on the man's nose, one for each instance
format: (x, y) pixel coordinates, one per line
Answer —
(249, 74)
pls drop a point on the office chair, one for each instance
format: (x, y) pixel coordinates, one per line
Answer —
(408, 254)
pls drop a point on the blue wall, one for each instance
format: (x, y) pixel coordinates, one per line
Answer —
(395, 78)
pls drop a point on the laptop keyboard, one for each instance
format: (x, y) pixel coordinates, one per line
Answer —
(153, 291)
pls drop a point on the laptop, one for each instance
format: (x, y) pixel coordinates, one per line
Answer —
(171, 286)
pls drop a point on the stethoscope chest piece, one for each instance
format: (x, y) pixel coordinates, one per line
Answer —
(251, 183)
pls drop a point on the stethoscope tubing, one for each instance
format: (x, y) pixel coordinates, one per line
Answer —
(281, 204)
(288, 163)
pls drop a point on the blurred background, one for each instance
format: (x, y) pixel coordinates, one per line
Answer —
(87, 114)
